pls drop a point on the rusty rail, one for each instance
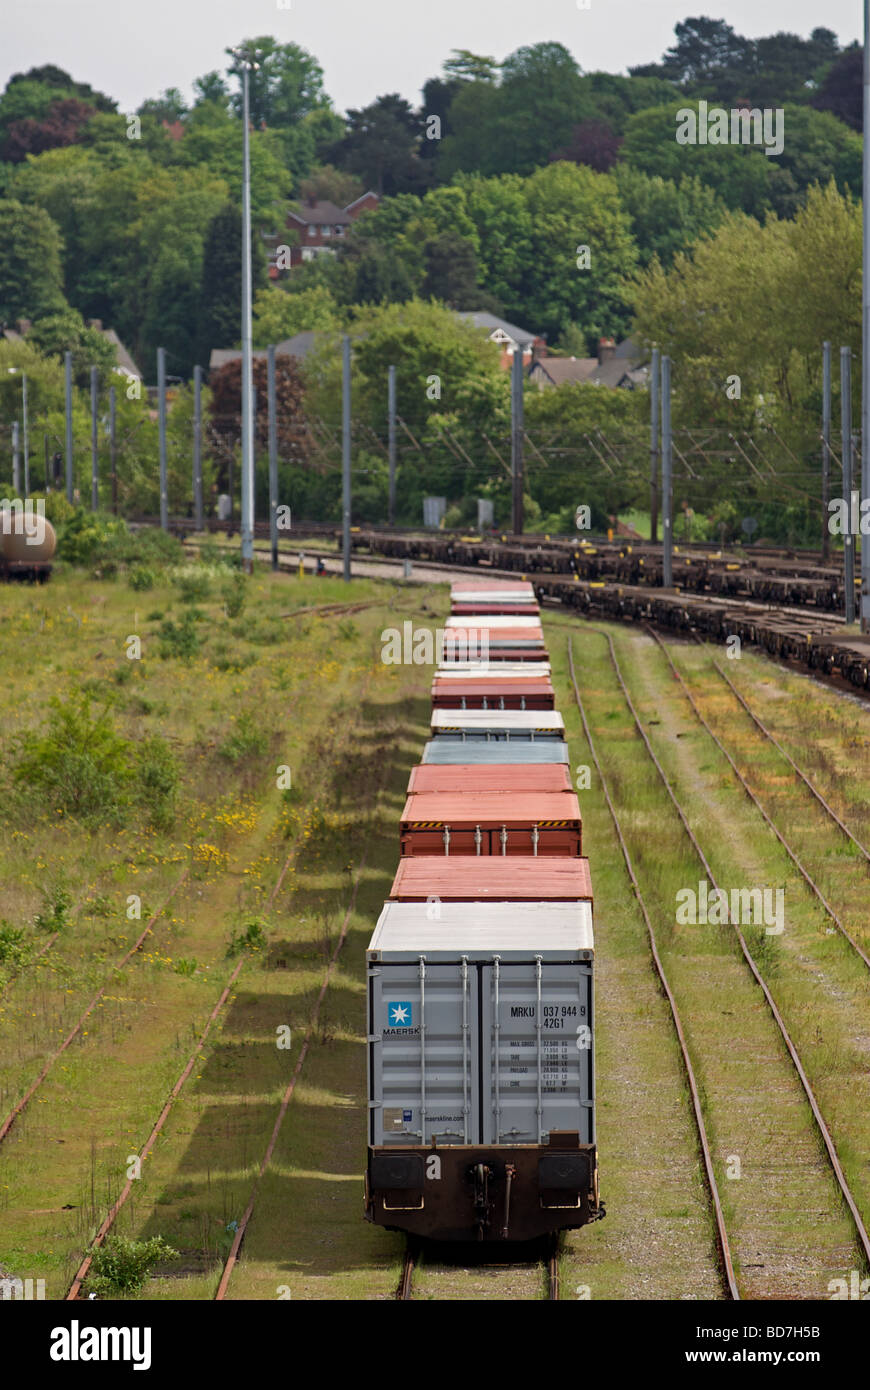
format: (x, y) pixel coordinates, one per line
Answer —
(712, 1186)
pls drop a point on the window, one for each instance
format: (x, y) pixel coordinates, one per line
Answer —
(312, 230)
(326, 230)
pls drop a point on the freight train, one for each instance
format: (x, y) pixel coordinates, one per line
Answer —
(480, 1028)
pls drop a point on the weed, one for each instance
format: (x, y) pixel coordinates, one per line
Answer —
(248, 740)
(56, 903)
(185, 966)
(78, 764)
(157, 778)
(251, 936)
(12, 948)
(141, 577)
(122, 1265)
(192, 585)
(179, 639)
(233, 594)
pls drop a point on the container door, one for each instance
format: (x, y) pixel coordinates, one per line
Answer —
(537, 1051)
(423, 1053)
(432, 842)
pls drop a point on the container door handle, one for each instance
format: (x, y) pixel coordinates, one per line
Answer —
(446, 838)
(477, 839)
(503, 837)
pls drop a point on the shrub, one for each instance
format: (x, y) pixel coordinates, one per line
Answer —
(233, 594)
(12, 948)
(251, 936)
(85, 537)
(141, 577)
(56, 903)
(179, 639)
(185, 966)
(248, 740)
(122, 1265)
(157, 778)
(77, 763)
(192, 584)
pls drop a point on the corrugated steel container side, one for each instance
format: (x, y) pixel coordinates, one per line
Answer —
(499, 777)
(434, 879)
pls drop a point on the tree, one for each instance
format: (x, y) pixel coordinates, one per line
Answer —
(325, 183)
(279, 315)
(170, 106)
(380, 146)
(841, 90)
(451, 271)
(666, 217)
(225, 406)
(31, 278)
(287, 86)
(61, 125)
(220, 296)
(739, 175)
(66, 332)
(211, 87)
(592, 143)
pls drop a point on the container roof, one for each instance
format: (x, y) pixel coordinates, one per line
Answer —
(478, 929)
(491, 586)
(497, 620)
(497, 777)
(492, 878)
(516, 685)
(445, 752)
(538, 720)
(492, 670)
(487, 808)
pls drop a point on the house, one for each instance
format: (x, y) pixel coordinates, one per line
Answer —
(623, 364)
(298, 346)
(125, 366)
(508, 336)
(318, 226)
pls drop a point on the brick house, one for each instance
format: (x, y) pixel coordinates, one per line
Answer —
(318, 226)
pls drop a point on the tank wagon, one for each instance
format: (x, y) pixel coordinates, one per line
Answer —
(480, 972)
(27, 545)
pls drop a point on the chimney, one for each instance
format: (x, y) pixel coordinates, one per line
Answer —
(96, 323)
(606, 350)
(23, 326)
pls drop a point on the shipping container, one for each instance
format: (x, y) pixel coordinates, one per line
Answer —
(494, 621)
(499, 777)
(493, 670)
(498, 606)
(500, 823)
(435, 879)
(491, 586)
(508, 725)
(516, 693)
(448, 749)
(480, 1069)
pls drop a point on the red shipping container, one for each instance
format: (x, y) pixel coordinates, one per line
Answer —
(494, 823)
(516, 693)
(490, 777)
(517, 879)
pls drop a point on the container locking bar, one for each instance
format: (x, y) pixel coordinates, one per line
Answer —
(446, 838)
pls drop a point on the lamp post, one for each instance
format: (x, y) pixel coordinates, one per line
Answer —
(246, 58)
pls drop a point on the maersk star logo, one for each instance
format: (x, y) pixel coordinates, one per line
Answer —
(399, 1015)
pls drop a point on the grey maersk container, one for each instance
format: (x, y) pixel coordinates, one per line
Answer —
(480, 1024)
(459, 750)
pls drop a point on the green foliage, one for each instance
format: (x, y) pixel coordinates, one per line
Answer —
(31, 273)
(180, 639)
(250, 936)
(84, 538)
(186, 966)
(157, 781)
(77, 764)
(56, 904)
(233, 594)
(13, 949)
(122, 1265)
(140, 577)
(193, 583)
(248, 740)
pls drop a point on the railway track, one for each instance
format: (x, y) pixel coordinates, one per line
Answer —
(722, 1242)
(802, 870)
(859, 1228)
(543, 1271)
(24, 1101)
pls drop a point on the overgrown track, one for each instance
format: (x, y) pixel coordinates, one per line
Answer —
(543, 1271)
(726, 1266)
(824, 1133)
(804, 872)
(74, 1031)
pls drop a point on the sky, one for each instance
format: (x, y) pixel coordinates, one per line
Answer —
(365, 47)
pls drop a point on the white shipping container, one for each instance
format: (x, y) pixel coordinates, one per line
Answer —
(481, 1023)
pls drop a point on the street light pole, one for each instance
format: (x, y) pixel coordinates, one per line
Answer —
(247, 60)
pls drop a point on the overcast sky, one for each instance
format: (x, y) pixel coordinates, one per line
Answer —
(365, 47)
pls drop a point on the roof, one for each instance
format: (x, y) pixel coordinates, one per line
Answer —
(497, 777)
(512, 685)
(491, 322)
(320, 212)
(521, 930)
(494, 670)
(559, 370)
(473, 878)
(539, 720)
(298, 346)
(473, 807)
(124, 360)
(449, 752)
(497, 620)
